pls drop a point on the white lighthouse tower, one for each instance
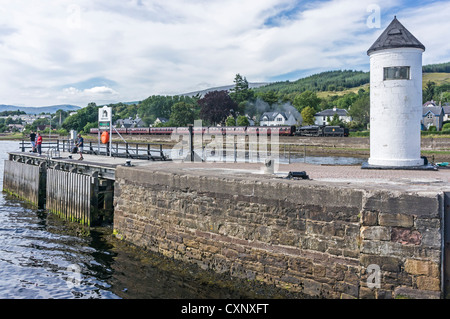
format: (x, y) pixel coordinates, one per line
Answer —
(395, 98)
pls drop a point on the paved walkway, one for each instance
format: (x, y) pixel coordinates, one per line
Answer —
(349, 175)
(343, 174)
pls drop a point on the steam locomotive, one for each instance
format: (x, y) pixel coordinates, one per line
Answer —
(322, 130)
(313, 130)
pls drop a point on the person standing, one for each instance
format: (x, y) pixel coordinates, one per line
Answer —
(39, 143)
(80, 143)
(33, 141)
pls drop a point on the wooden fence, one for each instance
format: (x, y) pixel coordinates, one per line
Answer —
(72, 196)
(25, 181)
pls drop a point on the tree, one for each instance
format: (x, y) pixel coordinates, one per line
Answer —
(242, 120)
(307, 98)
(270, 97)
(346, 100)
(336, 121)
(241, 92)
(230, 121)
(182, 114)
(445, 97)
(78, 121)
(360, 111)
(216, 106)
(428, 91)
(308, 115)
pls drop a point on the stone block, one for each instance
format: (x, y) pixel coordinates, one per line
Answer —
(398, 220)
(369, 218)
(428, 283)
(410, 204)
(384, 262)
(376, 233)
(366, 293)
(406, 236)
(311, 287)
(422, 267)
(411, 293)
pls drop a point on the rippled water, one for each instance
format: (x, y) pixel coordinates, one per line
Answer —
(38, 256)
(42, 256)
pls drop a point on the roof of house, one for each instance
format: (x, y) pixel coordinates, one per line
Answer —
(430, 103)
(436, 110)
(130, 122)
(395, 36)
(446, 109)
(331, 112)
(272, 115)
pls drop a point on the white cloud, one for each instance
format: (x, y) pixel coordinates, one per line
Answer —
(98, 94)
(151, 47)
(100, 90)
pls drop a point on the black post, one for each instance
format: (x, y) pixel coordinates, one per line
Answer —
(191, 141)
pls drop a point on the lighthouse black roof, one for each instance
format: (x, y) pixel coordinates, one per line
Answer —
(395, 36)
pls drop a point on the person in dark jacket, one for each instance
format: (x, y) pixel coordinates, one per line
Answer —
(33, 141)
(80, 143)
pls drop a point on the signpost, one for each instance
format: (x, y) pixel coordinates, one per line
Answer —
(105, 122)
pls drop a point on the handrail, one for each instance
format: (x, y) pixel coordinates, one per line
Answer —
(149, 151)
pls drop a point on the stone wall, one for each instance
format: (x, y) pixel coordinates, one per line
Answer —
(323, 240)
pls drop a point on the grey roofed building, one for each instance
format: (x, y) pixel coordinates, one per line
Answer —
(395, 36)
(432, 115)
(130, 122)
(270, 116)
(276, 118)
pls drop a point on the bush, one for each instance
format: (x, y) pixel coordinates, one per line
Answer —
(359, 134)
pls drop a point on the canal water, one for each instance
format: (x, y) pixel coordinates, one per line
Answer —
(42, 256)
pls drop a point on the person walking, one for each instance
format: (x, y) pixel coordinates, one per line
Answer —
(39, 143)
(33, 141)
(79, 144)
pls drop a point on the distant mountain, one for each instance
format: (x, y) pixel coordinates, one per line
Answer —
(221, 88)
(41, 109)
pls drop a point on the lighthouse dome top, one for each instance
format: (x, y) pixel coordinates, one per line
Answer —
(395, 36)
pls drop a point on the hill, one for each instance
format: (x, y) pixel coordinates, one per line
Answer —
(37, 110)
(341, 82)
(326, 81)
(221, 88)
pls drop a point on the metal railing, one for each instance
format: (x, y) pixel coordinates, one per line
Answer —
(148, 151)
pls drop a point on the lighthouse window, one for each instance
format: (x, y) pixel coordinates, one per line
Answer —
(397, 73)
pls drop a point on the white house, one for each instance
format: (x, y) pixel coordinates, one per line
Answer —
(277, 119)
(326, 116)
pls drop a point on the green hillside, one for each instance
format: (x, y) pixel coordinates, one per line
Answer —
(341, 82)
(325, 81)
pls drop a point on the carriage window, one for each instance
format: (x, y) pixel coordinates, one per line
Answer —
(397, 73)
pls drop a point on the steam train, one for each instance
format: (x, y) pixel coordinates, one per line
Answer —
(313, 130)
(322, 130)
(211, 130)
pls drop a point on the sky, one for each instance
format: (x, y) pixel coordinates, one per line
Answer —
(75, 52)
